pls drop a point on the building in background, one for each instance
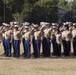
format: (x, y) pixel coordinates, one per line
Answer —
(64, 15)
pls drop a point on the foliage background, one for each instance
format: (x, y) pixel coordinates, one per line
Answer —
(33, 10)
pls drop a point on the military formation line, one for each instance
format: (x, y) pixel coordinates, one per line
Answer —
(46, 34)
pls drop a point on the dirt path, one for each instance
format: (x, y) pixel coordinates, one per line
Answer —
(42, 66)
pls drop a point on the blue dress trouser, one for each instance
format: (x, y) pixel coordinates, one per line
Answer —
(13, 46)
(3, 42)
(37, 48)
(54, 46)
(74, 45)
(46, 47)
(66, 47)
(16, 45)
(23, 42)
(33, 42)
(58, 49)
(8, 47)
(27, 49)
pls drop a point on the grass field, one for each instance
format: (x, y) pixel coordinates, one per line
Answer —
(40, 66)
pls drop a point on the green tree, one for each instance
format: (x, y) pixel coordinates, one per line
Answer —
(1, 11)
(74, 10)
(62, 3)
(44, 10)
(31, 10)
